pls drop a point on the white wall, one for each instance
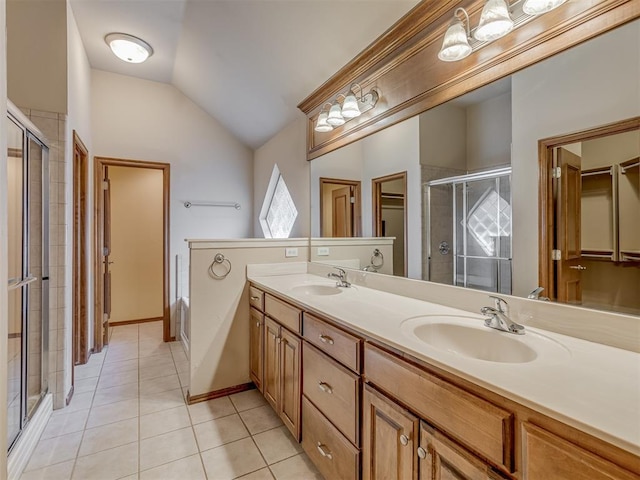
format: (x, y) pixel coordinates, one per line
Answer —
(396, 149)
(287, 149)
(489, 133)
(443, 132)
(3, 243)
(144, 120)
(567, 93)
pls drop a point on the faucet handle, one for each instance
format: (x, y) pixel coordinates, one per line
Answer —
(499, 302)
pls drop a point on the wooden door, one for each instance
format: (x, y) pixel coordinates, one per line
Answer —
(106, 251)
(548, 457)
(271, 366)
(443, 459)
(80, 255)
(568, 268)
(389, 437)
(342, 214)
(290, 361)
(256, 347)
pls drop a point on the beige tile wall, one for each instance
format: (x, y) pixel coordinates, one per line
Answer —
(53, 126)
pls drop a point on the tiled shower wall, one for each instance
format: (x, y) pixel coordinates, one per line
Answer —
(53, 126)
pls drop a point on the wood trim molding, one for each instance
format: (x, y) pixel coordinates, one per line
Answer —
(403, 62)
(546, 207)
(223, 392)
(357, 206)
(135, 322)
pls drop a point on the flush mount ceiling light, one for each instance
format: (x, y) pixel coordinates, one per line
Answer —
(538, 7)
(495, 21)
(128, 48)
(455, 45)
(352, 106)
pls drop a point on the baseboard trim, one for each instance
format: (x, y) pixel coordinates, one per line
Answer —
(69, 395)
(223, 392)
(23, 449)
(133, 322)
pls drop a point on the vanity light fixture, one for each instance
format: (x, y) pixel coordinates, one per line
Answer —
(345, 107)
(128, 48)
(455, 45)
(495, 21)
(538, 7)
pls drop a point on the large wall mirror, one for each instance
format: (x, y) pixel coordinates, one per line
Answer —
(457, 187)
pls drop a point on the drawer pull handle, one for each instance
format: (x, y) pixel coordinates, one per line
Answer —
(255, 299)
(404, 440)
(326, 339)
(323, 451)
(325, 387)
(422, 453)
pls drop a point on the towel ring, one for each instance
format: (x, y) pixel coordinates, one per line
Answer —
(377, 255)
(219, 259)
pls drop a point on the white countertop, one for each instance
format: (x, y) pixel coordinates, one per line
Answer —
(592, 387)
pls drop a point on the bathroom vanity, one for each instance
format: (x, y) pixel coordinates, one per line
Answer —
(368, 383)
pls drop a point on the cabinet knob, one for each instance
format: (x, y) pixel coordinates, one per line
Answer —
(324, 451)
(278, 339)
(325, 387)
(257, 324)
(578, 267)
(404, 440)
(422, 453)
(326, 339)
(255, 299)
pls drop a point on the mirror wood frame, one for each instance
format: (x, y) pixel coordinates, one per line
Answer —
(403, 63)
(546, 207)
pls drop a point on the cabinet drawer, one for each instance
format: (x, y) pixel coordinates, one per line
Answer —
(329, 451)
(333, 389)
(256, 298)
(472, 421)
(287, 315)
(340, 345)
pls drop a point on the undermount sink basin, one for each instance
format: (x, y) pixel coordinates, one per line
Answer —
(468, 337)
(315, 289)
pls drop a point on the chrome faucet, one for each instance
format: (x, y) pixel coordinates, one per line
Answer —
(535, 294)
(499, 318)
(341, 276)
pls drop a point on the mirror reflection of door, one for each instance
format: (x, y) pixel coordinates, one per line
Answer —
(340, 211)
(597, 224)
(390, 215)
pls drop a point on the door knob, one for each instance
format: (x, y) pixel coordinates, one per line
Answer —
(578, 267)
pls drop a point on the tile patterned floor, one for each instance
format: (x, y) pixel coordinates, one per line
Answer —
(128, 419)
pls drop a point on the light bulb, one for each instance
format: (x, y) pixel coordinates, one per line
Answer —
(455, 45)
(350, 107)
(321, 124)
(335, 118)
(537, 7)
(128, 48)
(495, 21)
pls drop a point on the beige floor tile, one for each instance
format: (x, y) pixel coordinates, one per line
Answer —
(164, 421)
(109, 436)
(108, 380)
(80, 401)
(112, 412)
(165, 360)
(219, 431)
(182, 366)
(63, 424)
(131, 477)
(211, 409)
(262, 474)
(84, 371)
(189, 468)
(120, 356)
(54, 450)
(155, 371)
(150, 350)
(159, 384)
(232, 460)
(120, 393)
(59, 471)
(123, 366)
(277, 444)
(247, 400)
(85, 385)
(112, 464)
(156, 402)
(166, 448)
(184, 378)
(260, 419)
(296, 468)
(180, 356)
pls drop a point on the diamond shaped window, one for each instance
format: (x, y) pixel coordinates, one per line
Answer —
(278, 211)
(490, 217)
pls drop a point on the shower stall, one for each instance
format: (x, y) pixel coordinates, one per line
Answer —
(28, 260)
(468, 230)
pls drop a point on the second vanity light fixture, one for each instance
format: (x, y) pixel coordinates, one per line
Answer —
(495, 22)
(352, 106)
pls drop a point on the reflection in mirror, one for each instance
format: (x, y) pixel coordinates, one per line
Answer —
(470, 222)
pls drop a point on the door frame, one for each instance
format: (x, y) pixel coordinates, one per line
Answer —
(376, 192)
(356, 218)
(99, 164)
(546, 202)
(80, 259)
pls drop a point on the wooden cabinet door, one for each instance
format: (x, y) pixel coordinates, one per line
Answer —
(443, 459)
(389, 439)
(271, 364)
(290, 361)
(548, 457)
(256, 347)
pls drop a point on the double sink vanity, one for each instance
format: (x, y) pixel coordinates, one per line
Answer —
(381, 386)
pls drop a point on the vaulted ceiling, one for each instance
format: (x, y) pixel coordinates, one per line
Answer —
(247, 63)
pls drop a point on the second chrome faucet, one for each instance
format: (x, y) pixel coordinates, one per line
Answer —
(499, 317)
(341, 277)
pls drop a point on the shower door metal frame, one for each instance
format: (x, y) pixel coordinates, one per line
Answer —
(464, 180)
